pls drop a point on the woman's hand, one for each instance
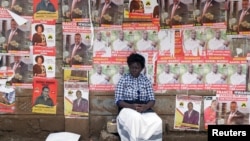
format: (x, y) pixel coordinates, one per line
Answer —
(140, 107)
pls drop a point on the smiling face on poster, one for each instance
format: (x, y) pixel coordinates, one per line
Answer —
(14, 39)
(43, 34)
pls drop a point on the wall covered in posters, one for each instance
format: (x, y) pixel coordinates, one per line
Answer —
(189, 46)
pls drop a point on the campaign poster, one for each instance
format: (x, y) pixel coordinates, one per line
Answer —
(232, 7)
(43, 34)
(237, 72)
(218, 43)
(7, 99)
(76, 99)
(187, 112)
(19, 7)
(123, 42)
(166, 42)
(45, 10)
(18, 71)
(44, 62)
(142, 10)
(240, 45)
(243, 18)
(192, 73)
(75, 75)
(44, 97)
(77, 41)
(233, 107)
(210, 109)
(108, 13)
(14, 38)
(176, 13)
(216, 74)
(75, 10)
(247, 73)
(104, 42)
(145, 37)
(210, 13)
(168, 73)
(194, 41)
(106, 73)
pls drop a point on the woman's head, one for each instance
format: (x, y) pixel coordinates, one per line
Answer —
(136, 63)
(39, 28)
(39, 59)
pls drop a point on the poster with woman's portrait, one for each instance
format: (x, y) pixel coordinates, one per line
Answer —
(44, 62)
(209, 108)
(140, 10)
(43, 34)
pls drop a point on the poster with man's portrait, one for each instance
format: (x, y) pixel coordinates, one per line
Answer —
(77, 51)
(76, 99)
(176, 13)
(107, 13)
(44, 97)
(45, 9)
(187, 112)
(233, 107)
(19, 7)
(14, 38)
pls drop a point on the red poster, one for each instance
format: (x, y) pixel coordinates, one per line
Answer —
(44, 97)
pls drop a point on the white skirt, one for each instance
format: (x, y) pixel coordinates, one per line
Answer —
(135, 126)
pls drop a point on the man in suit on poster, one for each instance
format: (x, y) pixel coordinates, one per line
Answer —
(78, 52)
(15, 37)
(244, 17)
(234, 116)
(210, 12)
(20, 69)
(191, 116)
(178, 13)
(18, 6)
(80, 104)
(79, 9)
(108, 12)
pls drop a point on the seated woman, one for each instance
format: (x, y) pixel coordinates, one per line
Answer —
(38, 38)
(134, 97)
(39, 69)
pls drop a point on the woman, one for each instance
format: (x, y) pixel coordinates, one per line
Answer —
(38, 38)
(136, 6)
(134, 96)
(39, 69)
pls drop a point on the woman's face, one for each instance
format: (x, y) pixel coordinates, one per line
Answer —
(135, 69)
(39, 29)
(39, 60)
